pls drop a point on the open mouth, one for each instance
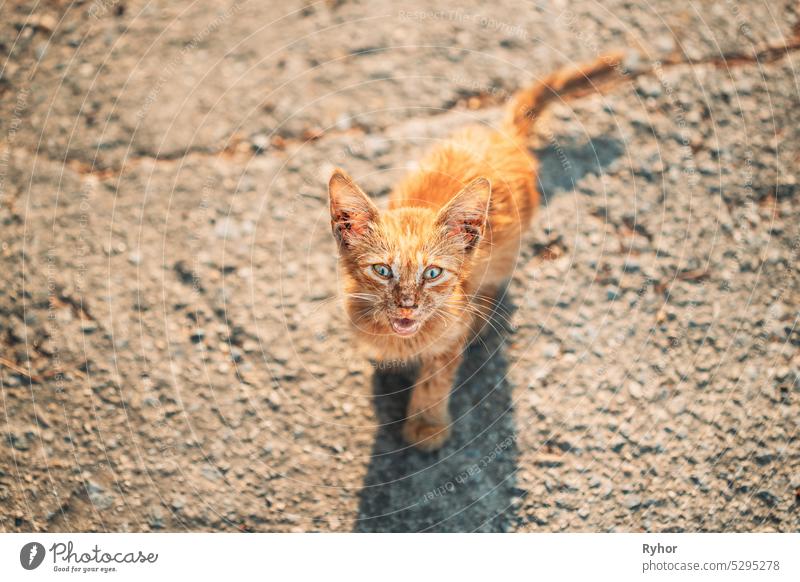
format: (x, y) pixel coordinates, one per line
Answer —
(405, 326)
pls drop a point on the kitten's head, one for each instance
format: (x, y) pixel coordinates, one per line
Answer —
(406, 265)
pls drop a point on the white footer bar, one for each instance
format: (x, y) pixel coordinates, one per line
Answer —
(395, 557)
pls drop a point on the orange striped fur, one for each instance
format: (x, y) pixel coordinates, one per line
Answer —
(420, 278)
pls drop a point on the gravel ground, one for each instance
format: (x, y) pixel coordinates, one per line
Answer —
(173, 354)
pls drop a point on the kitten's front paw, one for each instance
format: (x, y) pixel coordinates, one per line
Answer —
(424, 435)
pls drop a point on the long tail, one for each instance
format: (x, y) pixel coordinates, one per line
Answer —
(526, 105)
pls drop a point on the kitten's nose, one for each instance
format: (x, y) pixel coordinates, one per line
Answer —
(407, 301)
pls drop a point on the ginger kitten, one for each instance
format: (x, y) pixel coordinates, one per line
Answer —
(420, 278)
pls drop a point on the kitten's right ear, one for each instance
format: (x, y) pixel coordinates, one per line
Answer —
(464, 217)
(352, 212)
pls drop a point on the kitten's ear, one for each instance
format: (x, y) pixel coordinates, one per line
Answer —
(465, 215)
(352, 212)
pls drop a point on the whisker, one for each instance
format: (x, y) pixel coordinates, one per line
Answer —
(483, 317)
(473, 310)
(495, 304)
(496, 311)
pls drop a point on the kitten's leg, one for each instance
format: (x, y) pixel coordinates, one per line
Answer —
(428, 424)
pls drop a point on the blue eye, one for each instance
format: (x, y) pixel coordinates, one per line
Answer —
(382, 270)
(432, 273)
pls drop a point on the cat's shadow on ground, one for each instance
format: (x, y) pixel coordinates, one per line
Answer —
(469, 484)
(564, 162)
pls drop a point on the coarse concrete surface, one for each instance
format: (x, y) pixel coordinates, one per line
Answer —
(173, 354)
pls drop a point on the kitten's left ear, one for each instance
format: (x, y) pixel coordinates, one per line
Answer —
(352, 212)
(466, 213)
